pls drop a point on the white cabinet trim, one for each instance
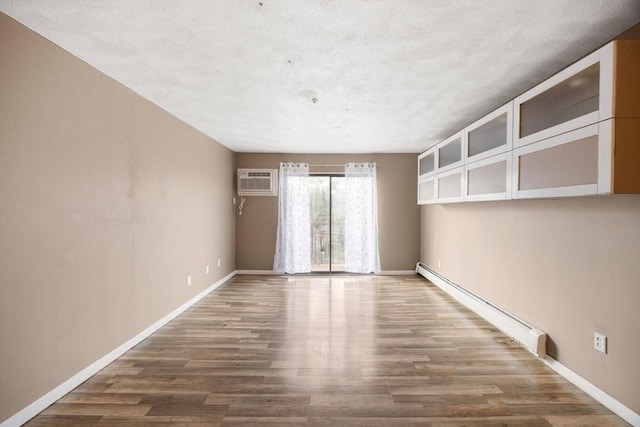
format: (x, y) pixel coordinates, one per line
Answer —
(605, 157)
(605, 109)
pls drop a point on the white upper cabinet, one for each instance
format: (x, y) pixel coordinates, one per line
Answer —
(491, 135)
(578, 96)
(577, 133)
(442, 157)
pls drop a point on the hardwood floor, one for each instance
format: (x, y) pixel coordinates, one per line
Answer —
(349, 351)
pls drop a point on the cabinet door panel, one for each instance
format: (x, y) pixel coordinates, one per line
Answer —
(488, 179)
(450, 153)
(572, 98)
(576, 97)
(426, 191)
(450, 186)
(427, 164)
(573, 163)
(491, 135)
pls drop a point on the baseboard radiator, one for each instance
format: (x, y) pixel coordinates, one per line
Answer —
(529, 337)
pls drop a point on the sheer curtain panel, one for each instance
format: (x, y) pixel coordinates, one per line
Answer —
(361, 219)
(293, 241)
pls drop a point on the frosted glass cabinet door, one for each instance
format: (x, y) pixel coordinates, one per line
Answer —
(427, 162)
(449, 152)
(491, 135)
(578, 96)
(489, 179)
(450, 186)
(574, 97)
(426, 191)
(565, 165)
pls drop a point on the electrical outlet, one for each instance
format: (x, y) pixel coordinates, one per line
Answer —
(219, 262)
(438, 263)
(600, 342)
(206, 269)
(188, 280)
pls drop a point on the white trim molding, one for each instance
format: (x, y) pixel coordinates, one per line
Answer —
(33, 409)
(275, 273)
(259, 272)
(396, 273)
(611, 403)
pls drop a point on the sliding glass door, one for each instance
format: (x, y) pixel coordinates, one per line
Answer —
(326, 199)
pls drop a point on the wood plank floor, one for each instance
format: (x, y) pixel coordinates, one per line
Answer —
(347, 351)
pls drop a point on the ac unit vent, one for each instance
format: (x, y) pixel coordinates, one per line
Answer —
(257, 182)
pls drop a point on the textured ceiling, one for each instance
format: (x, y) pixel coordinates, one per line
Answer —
(387, 76)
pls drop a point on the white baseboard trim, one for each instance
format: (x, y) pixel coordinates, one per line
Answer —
(396, 273)
(259, 272)
(25, 414)
(614, 405)
(275, 273)
(529, 337)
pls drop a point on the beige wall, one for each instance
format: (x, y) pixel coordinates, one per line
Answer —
(106, 203)
(568, 266)
(398, 213)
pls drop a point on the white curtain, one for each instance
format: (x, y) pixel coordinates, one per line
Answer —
(293, 241)
(361, 219)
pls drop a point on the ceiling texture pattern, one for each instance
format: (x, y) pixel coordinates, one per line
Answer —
(323, 76)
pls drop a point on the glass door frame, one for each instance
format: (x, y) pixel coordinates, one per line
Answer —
(330, 176)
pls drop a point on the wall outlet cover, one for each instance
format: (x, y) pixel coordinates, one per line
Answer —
(600, 342)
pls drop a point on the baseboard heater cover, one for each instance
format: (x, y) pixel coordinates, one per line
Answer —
(529, 337)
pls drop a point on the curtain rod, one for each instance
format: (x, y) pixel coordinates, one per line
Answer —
(326, 166)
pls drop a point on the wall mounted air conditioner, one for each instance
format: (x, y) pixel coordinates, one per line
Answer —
(257, 182)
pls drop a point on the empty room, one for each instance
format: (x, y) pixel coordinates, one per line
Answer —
(320, 212)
